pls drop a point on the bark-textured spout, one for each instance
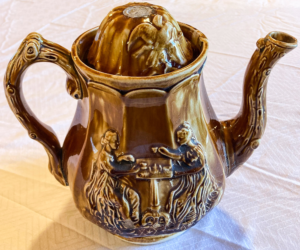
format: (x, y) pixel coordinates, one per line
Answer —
(243, 133)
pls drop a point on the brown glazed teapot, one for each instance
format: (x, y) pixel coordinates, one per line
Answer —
(146, 156)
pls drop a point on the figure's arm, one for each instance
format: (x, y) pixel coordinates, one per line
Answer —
(164, 151)
(129, 158)
(134, 170)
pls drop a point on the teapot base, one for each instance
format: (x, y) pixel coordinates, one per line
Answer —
(150, 240)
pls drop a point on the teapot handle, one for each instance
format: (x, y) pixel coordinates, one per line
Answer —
(35, 48)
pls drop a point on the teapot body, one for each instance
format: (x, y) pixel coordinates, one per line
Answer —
(143, 165)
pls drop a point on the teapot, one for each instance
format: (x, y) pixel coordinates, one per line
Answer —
(146, 157)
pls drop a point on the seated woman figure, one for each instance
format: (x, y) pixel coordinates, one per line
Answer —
(110, 198)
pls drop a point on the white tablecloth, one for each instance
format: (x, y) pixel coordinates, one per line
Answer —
(261, 205)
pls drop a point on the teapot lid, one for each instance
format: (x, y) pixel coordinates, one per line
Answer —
(139, 39)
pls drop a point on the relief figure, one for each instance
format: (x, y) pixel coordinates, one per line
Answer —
(112, 199)
(195, 194)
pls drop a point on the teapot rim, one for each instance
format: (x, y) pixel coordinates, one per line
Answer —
(127, 83)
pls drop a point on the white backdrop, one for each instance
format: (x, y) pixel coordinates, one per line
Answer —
(261, 205)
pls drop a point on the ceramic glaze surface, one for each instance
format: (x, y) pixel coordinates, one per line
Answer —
(145, 157)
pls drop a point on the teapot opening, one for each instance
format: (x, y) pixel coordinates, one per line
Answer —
(87, 41)
(82, 44)
(282, 39)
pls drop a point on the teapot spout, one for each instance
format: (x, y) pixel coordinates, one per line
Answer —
(243, 133)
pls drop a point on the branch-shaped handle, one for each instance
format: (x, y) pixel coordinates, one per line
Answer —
(34, 49)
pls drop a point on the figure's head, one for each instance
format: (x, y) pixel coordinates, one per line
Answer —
(110, 140)
(184, 133)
